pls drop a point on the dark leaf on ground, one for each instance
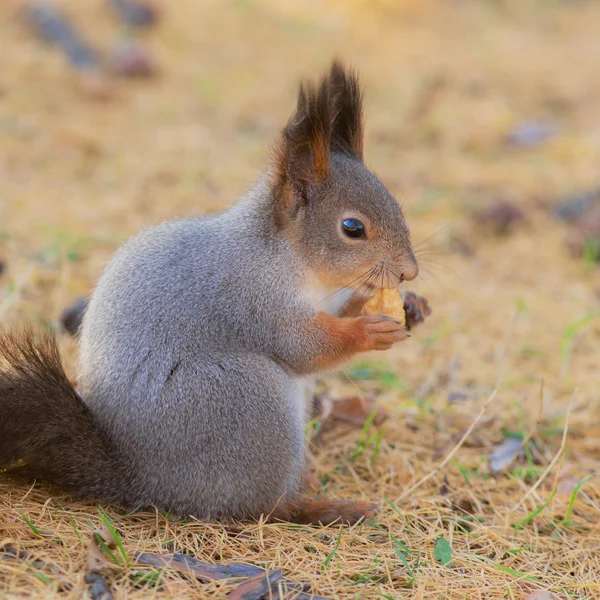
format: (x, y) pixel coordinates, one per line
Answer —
(132, 60)
(531, 133)
(98, 588)
(203, 571)
(575, 206)
(72, 316)
(259, 583)
(135, 13)
(50, 25)
(500, 217)
(584, 239)
(8, 553)
(504, 454)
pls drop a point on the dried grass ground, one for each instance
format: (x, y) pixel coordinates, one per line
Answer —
(77, 177)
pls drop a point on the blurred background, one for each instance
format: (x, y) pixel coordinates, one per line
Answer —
(482, 119)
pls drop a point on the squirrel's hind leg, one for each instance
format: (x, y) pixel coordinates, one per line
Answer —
(314, 512)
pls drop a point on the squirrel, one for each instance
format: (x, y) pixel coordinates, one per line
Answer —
(202, 334)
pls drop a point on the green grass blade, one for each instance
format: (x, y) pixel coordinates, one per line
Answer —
(335, 549)
(574, 494)
(31, 525)
(113, 532)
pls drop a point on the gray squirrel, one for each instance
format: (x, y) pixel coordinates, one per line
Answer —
(202, 335)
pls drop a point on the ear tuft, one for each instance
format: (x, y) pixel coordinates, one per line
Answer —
(348, 126)
(302, 156)
(328, 118)
(304, 152)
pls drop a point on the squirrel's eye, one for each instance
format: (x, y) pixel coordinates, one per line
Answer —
(353, 228)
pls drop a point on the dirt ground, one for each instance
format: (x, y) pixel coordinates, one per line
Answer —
(446, 82)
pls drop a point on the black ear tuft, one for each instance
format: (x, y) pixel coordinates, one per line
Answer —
(302, 156)
(348, 129)
(304, 152)
(328, 118)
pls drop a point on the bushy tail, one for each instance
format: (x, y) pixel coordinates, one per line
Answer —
(44, 422)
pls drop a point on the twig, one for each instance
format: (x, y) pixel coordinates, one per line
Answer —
(448, 458)
(558, 456)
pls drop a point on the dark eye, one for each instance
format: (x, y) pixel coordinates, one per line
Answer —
(353, 228)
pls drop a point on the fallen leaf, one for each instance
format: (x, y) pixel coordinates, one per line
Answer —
(442, 551)
(256, 578)
(322, 406)
(567, 482)
(134, 13)
(531, 133)
(49, 24)
(257, 587)
(72, 316)
(504, 454)
(203, 571)
(576, 205)
(97, 587)
(7, 552)
(461, 395)
(540, 596)
(357, 410)
(132, 60)
(500, 217)
(97, 560)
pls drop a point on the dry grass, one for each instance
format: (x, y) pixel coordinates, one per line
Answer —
(77, 177)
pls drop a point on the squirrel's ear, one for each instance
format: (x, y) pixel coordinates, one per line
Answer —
(346, 97)
(302, 156)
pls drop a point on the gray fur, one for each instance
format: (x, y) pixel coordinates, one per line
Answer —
(199, 339)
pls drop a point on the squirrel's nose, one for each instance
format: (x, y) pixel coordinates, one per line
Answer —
(409, 270)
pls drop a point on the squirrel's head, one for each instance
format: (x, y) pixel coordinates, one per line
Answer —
(336, 213)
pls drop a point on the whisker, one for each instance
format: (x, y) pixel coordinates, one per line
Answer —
(438, 281)
(367, 283)
(366, 275)
(396, 276)
(415, 246)
(430, 252)
(368, 278)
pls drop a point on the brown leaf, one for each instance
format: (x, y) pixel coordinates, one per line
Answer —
(500, 217)
(97, 560)
(356, 410)
(567, 482)
(257, 587)
(322, 406)
(543, 595)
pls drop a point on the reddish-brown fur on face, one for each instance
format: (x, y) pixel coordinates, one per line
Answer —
(315, 512)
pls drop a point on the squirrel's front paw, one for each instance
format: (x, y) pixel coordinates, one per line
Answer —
(416, 308)
(379, 332)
